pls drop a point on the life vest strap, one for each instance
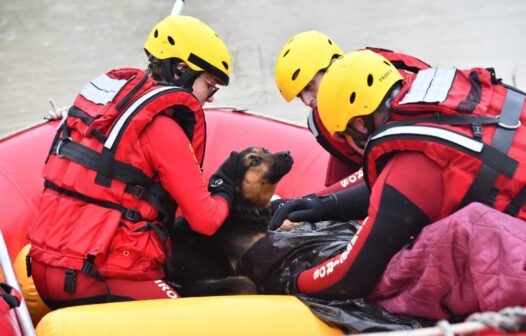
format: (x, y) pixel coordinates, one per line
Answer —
(481, 189)
(517, 203)
(448, 120)
(107, 157)
(137, 183)
(132, 92)
(89, 269)
(163, 234)
(128, 213)
(82, 115)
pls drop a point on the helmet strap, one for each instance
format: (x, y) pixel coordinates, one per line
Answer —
(360, 139)
(186, 77)
(371, 128)
(369, 123)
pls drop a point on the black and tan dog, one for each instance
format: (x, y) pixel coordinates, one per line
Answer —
(211, 265)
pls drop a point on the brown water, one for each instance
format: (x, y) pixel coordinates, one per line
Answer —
(49, 49)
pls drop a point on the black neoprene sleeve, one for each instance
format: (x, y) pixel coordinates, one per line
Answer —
(353, 203)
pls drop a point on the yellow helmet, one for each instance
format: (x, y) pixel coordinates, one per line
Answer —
(300, 59)
(192, 41)
(353, 86)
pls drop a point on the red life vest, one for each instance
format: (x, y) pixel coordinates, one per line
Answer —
(344, 159)
(471, 125)
(103, 211)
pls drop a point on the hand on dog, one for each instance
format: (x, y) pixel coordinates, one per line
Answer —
(278, 203)
(310, 209)
(222, 182)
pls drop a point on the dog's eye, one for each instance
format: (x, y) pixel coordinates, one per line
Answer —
(255, 161)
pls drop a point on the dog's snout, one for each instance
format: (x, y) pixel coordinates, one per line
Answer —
(284, 155)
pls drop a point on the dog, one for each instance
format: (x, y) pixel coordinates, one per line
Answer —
(206, 266)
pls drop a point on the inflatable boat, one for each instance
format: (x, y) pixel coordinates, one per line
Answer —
(22, 156)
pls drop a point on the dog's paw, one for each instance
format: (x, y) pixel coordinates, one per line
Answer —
(289, 225)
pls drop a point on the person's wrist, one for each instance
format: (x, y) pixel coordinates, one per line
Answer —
(224, 195)
(330, 205)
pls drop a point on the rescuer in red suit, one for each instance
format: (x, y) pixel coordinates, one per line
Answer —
(126, 158)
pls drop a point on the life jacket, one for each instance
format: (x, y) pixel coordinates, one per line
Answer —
(345, 160)
(103, 211)
(468, 122)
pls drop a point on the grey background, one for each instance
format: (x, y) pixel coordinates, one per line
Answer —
(50, 49)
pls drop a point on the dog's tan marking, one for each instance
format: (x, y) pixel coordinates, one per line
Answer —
(289, 225)
(254, 186)
(255, 189)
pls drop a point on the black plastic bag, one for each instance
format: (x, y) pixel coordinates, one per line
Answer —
(358, 315)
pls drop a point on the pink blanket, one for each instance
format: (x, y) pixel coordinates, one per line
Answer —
(471, 261)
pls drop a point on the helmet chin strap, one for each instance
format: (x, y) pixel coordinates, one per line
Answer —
(371, 128)
(185, 78)
(360, 139)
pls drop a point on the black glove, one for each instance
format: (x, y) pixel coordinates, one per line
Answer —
(278, 203)
(310, 209)
(222, 182)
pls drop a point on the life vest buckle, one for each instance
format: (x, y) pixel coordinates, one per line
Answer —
(61, 142)
(138, 191)
(133, 215)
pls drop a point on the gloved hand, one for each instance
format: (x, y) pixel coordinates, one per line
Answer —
(311, 209)
(278, 203)
(222, 182)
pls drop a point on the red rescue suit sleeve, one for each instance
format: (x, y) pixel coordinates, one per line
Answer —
(345, 183)
(406, 197)
(173, 158)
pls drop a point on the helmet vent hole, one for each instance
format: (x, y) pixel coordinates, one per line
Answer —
(387, 63)
(330, 42)
(370, 80)
(295, 74)
(225, 64)
(353, 97)
(286, 53)
(171, 40)
(155, 33)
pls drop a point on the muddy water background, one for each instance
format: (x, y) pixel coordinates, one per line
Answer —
(49, 49)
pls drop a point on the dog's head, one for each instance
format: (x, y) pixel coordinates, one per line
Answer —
(259, 172)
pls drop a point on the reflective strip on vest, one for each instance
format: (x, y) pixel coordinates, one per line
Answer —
(129, 112)
(441, 133)
(430, 86)
(102, 89)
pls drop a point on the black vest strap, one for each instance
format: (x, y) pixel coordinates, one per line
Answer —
(138, 184)
(130, 214)
(75, 112)
(516, 204)
(88, 268)
(481, 189)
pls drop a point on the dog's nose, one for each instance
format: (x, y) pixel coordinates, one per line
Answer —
(284, 155)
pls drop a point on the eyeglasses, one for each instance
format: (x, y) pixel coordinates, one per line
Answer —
(211, 87)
